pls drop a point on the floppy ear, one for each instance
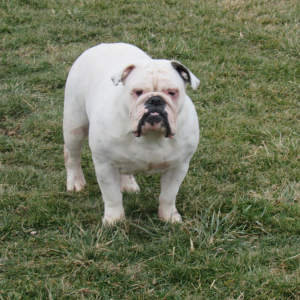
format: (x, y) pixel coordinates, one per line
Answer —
(122, 73)
(185, 74)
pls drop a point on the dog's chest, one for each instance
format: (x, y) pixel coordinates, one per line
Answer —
(149, 168)
(147, 161)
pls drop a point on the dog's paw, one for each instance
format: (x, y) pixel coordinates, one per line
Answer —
(172, 216)
(75, 177)
(75, 182)
(113, 214)
(129, 184)
(110, 220)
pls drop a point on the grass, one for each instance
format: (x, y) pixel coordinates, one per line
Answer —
(240, 201)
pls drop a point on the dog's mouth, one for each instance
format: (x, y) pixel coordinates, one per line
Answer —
(155, 118)
(156, 114)
(154, 121)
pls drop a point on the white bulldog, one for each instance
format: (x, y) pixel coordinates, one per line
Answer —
(139, 120)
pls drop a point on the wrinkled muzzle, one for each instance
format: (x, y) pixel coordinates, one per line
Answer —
(154, 112)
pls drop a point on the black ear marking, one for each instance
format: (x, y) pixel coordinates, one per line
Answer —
(182, 71)
(185, 74)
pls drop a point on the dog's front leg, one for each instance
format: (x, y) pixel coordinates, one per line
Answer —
(170, 183)
(109, 179)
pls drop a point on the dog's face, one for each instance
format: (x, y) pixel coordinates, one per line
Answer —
(155, 94)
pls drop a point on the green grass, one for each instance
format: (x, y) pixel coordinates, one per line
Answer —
(240, 236)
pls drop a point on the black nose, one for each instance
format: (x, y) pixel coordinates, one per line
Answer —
(156, 100)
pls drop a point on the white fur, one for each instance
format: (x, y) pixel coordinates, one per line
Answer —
(97, 106)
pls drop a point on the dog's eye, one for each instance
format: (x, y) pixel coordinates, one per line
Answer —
(138, 93)
(171, 93)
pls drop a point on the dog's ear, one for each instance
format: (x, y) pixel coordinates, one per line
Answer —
(185, 74)
(122, 73)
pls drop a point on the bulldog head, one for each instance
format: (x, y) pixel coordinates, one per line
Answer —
(154, 94)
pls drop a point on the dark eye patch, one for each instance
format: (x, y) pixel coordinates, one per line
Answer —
(138, 93)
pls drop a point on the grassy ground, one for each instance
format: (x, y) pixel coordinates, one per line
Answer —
(240, 201)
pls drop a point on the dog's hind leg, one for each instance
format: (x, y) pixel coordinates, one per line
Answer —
(72, 150)
(129, 184)
(75, 128)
